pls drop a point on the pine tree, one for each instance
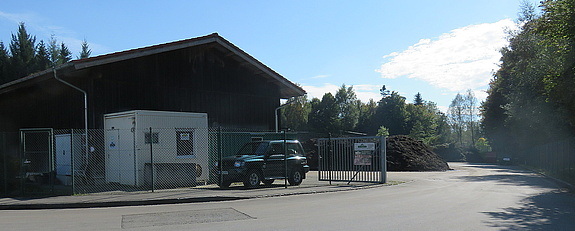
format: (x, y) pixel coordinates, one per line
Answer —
(65, 54)
(23, 53)
(417, 101)
(54, 51)
(4, 64)
(86, 52)
(42, 56)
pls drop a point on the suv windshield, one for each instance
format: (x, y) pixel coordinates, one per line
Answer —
(254, 148)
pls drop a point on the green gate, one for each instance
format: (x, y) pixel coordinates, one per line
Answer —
(37, 161)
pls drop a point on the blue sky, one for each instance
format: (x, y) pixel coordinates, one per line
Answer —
(437, 48)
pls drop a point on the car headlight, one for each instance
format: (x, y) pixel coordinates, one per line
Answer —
(238, 164)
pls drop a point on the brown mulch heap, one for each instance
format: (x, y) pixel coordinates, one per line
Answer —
(407, 154)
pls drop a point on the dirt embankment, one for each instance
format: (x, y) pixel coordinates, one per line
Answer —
(407, 154)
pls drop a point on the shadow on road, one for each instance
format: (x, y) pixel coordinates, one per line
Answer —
(553, 209)
(547, 211)
(510, 175)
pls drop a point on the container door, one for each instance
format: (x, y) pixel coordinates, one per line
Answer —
(126, 158)
(64, 158)
(112, 156)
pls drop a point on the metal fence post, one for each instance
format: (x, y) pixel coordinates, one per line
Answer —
(4, 171)
(219, 148)
(285, 160)
(329, 156)
(383, 159)
(151, 161)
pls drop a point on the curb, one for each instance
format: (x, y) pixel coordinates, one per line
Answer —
(110, 204)
(116, 203)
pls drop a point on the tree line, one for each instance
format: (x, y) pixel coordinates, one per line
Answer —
(531, 97)
(24, 55)
(344, 114)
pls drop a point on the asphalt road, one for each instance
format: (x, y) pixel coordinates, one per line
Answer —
(471, 197)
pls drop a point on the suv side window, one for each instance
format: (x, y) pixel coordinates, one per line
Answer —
(294, 149)
(276, 148)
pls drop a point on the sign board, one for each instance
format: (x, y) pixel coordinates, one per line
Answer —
(363, 153)
(364, 147)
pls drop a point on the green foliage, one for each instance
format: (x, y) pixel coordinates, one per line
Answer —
(348, 107)
(22, 48)
(418, 100)
(4, 64)
(42, 56)
(391, 112)
(323, 114)
(482, 145)
(531, 99)
(297, 110)
(86, 52)
(382, 131)
(24, 57)
(390, 116)
(366, 113)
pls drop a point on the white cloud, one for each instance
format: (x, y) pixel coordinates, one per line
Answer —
(364, 92)
(17, 18)
(320, 76)
(318, 92)
(462, 59)
(36, 25)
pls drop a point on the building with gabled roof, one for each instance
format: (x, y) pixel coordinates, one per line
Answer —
(205, 74)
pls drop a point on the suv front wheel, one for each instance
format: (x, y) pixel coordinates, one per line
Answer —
(296, 177)
(253, 179)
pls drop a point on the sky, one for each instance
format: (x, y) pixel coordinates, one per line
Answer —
(437, 48)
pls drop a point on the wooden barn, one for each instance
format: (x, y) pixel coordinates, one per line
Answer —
(205, 74)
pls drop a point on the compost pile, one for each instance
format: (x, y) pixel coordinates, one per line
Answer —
(407, 154)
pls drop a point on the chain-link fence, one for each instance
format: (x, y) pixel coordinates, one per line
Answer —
(10, 164)
(49, 162)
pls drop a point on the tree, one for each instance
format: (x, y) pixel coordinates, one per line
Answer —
(418, 101)
(365, 118)
(42, 56)
(295, 114)
(65, 54)
(382, 131)
(54, 51)
(456, 116)
(323, 115)
(557, 30)
(86, 52)
(391, 113)
(23, 53)
(5, 74)
(471, 111)
(532, 92)
(348, 107)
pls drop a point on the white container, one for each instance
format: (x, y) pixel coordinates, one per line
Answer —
(178, 143)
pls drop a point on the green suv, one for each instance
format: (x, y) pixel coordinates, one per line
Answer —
(264, 161)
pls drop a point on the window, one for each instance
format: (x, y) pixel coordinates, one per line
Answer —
(294, 149)
(153, 138)
(185, 142)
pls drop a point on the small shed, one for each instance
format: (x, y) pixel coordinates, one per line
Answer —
(174, 143)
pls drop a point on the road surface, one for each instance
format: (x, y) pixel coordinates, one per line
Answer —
(471, 197)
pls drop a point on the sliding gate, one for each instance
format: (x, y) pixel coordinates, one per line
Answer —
(352, 159)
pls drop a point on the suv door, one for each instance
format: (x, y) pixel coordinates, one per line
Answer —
(274, 161)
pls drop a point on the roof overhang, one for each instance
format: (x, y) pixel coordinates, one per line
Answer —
(287, 88)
